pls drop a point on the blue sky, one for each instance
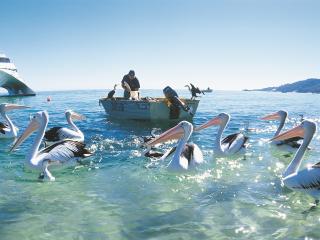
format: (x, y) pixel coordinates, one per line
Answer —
(231, 44)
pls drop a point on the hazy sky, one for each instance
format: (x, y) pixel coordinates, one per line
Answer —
(79, 44)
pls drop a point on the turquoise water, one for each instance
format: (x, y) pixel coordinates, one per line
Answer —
(119, 194)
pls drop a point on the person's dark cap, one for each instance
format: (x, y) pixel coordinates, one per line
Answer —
(132, 73)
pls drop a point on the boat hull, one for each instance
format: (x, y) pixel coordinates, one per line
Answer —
(13, 84)
(155, 110)
(207, 91)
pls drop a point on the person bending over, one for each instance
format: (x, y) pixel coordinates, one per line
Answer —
(130, 83)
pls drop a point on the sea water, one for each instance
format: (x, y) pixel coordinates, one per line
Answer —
(120, 194)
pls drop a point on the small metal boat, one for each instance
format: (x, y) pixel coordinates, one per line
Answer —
(151, 109)
(208, 90)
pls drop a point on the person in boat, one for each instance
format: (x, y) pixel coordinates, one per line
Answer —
(130, 83)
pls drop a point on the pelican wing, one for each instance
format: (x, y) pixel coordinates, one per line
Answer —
(197, 156)
(153, 154)
(192, 153)
(188, 151)
(245, 141)
(234, 142)
(65, 150)
(305, 180)
(293, 142)
(3, 126)
(230, 139)
(59, 133)
(52, 134)
(293, 139)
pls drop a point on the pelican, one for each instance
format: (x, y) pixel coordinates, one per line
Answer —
(59, 153)
(282, 116)
(8, 130)
(231, 144)
(306, 180)
(57, 134)
(186, 155)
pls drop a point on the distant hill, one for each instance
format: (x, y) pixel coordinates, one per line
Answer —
(311, 85)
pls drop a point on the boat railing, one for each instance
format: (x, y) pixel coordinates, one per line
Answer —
(8, 66)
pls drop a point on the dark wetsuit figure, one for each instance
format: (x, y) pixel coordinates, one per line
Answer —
(132, 81)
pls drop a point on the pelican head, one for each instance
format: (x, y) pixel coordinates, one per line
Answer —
(306, 128)
(6, 107)
(75, 116)
(276, 116)
(222, 118)
(173, 133)
(40, 119)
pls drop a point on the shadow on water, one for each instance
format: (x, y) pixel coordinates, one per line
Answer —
(10, 212)
(169, 223)
(151, 213)
(134, 124)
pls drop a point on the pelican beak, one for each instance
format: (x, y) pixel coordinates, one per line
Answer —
(294, 132)
(78, 116)
(273, 116)
(10, 107)
(33, 125)
(171, 134)
(213, 122)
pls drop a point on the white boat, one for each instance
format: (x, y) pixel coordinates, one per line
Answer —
(10, 79)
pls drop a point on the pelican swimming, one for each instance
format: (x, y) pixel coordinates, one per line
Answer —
(57, 134)
(186, 155)
(63, 152)
(306, 180)
(282, 116)
(231, 144)
(7, 129)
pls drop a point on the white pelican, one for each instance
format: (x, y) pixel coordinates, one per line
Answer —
(306, 180)
(7, 129)
(282, 116)
(231, 144)
(187, 155)
(57, 134)
(59, 153)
